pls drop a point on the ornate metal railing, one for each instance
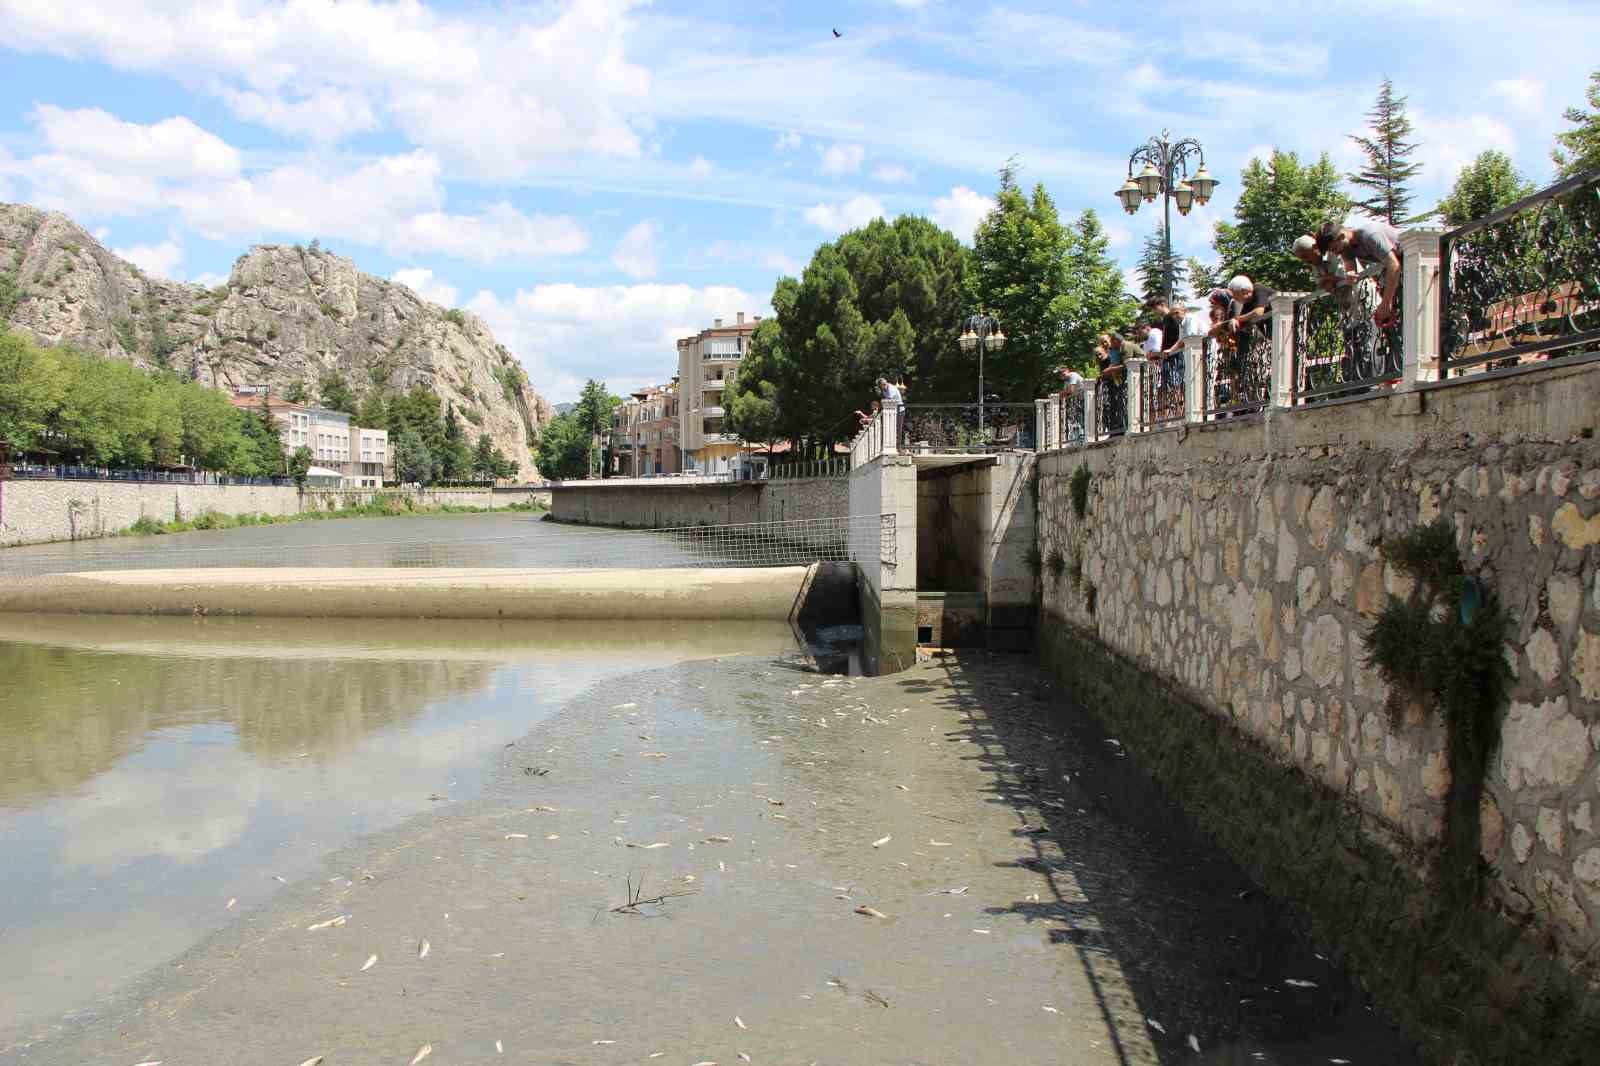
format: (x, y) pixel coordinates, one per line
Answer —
(956, 428)
(1161, 393)
(1070, 416)
(1111, 405)
(1338, 347)
(1523, 283)
(1240, 375)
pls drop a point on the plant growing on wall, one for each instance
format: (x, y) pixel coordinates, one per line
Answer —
(1079, 487)
(1441, 650)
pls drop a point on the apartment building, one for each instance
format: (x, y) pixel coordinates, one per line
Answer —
(343, 454)
(644, 433)
(707, 362)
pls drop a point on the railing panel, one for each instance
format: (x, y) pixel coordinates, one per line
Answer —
(1240, 374)
(1071, 418)
(957, 428)
(1111, 405)
(1162, 397)
(1523, 284)
(1338, 346)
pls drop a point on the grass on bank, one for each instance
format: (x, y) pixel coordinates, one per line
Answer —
(383, 507)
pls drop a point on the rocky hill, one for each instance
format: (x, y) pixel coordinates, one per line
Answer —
(287, 314)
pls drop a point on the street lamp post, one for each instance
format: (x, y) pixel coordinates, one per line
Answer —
(983, 334)
(1166, 174)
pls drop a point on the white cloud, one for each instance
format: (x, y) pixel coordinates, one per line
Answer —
(1448, 143)
(852, 214)
(788, 141)
(500, 234)
(961, 211)
(892, 175)
(785, 264)
(637, 251)
(427, 285)
(171, 148)
(208, 279)
(491, 90)
(701, 167)
(162, 260)
(1524, 94)
(625, 335)
(838, 159)
(325, 115)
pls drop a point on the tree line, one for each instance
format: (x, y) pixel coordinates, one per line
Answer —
(70, 406)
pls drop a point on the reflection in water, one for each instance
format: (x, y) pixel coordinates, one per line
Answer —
(151, 769)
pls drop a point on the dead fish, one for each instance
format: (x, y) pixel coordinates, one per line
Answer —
(705, 1064)
(553, 836)
(315, 1060)
(649, 847)
(652, 755)
(329, 924)
(157, 1062)
(1052, 1010)
(499, 1049)
(280, 880)
(1194, 1043)
(231, 902)
(516, 836)
(956, 891)
(1157, 1026)
(940, 844)
(902, 788)
(881, 841)
(372, 960)
(541, 808)
(739, 1022)
(422, 1052)
(624, 706)
(423, 948)
(1298, 983)
(716, 840)
(775, 802)
(602, 1041)
(743, 1057)
(870, 912)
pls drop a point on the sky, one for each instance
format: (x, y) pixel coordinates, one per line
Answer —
(596, 178)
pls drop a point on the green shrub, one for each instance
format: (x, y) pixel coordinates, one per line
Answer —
(146, 527)
(328, 309)
(1079, 487)
(1075, 566)
(456, 316)
(122, 327)
(1057, 563)
(473, 415)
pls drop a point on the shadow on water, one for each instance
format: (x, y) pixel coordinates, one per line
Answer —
(1175, 939)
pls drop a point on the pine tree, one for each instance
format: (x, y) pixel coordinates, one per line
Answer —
(1387, 152)
(1578, 150)
(1160, 275)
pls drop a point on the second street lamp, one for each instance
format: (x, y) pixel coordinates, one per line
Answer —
(983, 334)
(1166, 174)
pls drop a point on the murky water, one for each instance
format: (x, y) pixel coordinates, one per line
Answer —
(152, 769)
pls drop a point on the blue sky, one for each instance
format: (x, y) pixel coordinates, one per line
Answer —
(598, 177)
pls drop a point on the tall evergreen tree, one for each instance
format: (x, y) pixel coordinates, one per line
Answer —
(1278, 201)
(1160, 275)
(1097, 301)
(1203, 277)
(1388, 155)
(1578, 149)
(593, 415)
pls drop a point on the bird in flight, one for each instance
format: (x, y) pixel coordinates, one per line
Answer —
(836, 33)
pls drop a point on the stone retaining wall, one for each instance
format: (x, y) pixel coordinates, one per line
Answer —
(1227, 575)
(666, 504)
(37, 512)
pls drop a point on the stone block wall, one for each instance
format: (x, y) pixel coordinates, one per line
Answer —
(667, 504)
(1236, 565)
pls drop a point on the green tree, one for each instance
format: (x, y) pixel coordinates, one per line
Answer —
(418, 410)
(1279, 200)
(1202, 277)
(260, 453)
(488, 462)
(296, 392)
(455, 457)
(372, 413)
(1388, 155)
(31, 387)
(1094, 283)
(1577, 150)
(882, 300)
(563, 450)
(413, 462)
(593, 415)
(10, 295)
(300, 465)
(1485, 185)
(335, 393)
(1160, 275)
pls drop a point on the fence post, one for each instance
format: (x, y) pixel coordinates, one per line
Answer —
(1195, 385)
(1283, 349)
(891, 429)
(1137, 371)
(1419, 299)
(1091, 410)
(1041, 424)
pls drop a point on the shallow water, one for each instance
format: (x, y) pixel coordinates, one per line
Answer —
(152, 769)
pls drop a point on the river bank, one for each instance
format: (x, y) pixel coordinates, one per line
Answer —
(928, 867)
(380, 507)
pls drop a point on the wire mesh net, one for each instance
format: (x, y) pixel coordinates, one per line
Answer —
(547, 545)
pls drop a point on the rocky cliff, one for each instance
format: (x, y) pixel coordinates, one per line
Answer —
(287, 314)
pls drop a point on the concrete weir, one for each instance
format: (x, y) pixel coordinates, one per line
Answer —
(818, 594)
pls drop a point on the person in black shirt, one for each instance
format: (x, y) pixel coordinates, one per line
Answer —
(1251, 311)
(1171, 321)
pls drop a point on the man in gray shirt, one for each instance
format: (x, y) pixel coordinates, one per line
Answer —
(1375, 245)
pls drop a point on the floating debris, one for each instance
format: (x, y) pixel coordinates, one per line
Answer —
(1295, 982)
(436, 797)
(870, 912)
(872, 997)
(422, 1052)
(372, 960)
(331, 923)
(881, 841)
(423, 948)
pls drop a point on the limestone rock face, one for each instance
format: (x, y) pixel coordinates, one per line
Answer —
(287, 314)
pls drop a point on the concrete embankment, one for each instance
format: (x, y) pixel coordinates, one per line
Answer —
(817, 593)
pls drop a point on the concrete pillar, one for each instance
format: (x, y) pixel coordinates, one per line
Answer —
(1041, 425)
(1138, 371)
(1284, 385)
(891, 429)
(1196, 385)
(1419, 298)
(1091, 411)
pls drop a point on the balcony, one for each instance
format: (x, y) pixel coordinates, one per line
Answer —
(711, 412)
(713, 384)
(720, 438)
